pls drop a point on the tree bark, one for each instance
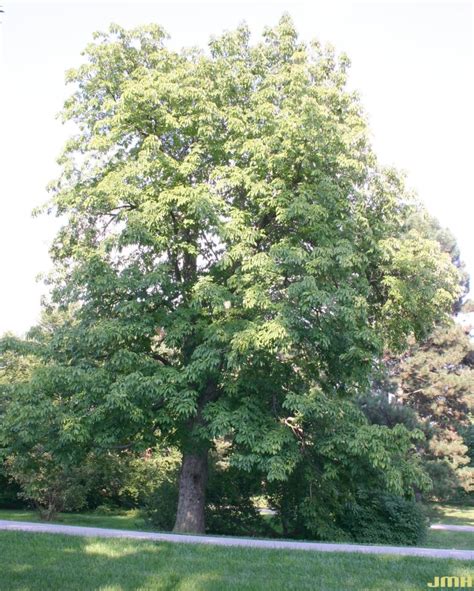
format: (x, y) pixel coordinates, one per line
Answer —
(192, 493)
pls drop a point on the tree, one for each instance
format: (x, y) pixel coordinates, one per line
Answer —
(15, 368)
(436, 380)
(431, 382)
(429, 227)
(230, 245)
(431, 387)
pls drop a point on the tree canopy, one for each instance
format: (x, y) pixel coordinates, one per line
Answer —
(231, 251)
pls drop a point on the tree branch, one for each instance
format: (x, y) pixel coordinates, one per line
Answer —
(159, 357)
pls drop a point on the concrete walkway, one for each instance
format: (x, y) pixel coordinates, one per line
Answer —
(73, 530)
(449, 527)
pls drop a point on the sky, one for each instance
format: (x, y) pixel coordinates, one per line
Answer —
(412, 63)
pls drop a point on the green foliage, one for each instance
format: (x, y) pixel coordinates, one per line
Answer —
(145, 474)
(230, 509)
(380, 411)
(434, 379)
(125, 479)
(468, 437)
(446, 482)
(385, 519)
(9, 492)
(430, 228)
(50, 487)
(432, 384)
(437, 383)
(244, 176)
(344, 458)
(232, 260)
(159, 496)
(160, 506)
(415, 303)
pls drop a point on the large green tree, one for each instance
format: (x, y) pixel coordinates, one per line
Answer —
(230, 245)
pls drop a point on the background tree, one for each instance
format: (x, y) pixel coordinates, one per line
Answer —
(14, 369)
(431, 387)
(437, 381)
(429, 227)
(230, 246)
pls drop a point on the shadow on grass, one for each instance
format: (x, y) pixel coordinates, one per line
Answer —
(40, 562)
(451, 514)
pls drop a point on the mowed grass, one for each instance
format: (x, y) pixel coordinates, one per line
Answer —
(40, 562)
(451, 514)
(458, 540)
(132, 519)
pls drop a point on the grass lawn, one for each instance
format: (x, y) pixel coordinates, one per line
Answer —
(40, 562)
(131, 519)
(451, 514)
(449, 539)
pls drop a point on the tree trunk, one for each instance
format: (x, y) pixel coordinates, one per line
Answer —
(192, 493)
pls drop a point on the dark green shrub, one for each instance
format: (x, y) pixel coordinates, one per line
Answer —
(229, 508)
(9, 494)
(444, 478)
(160, 506)
(383, 518)
(330, 493)
(468, 436)
(127, 479)
(154, 486)
(49, 485)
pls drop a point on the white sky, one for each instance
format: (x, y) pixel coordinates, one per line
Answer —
(412, 63)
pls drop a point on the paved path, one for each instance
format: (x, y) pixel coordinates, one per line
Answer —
(449, 527)
(223, 541)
